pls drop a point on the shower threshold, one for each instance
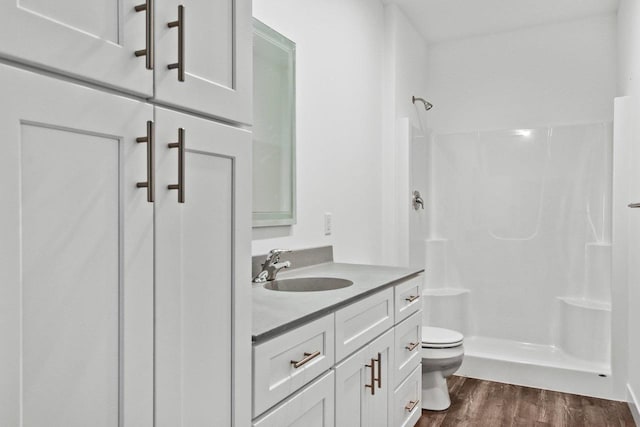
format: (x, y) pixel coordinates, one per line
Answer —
(534, 365)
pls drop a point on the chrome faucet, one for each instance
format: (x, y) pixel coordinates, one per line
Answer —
(272, 266)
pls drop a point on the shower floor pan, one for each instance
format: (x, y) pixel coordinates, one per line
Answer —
(533, 365)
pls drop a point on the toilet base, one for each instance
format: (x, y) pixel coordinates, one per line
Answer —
(435, 394)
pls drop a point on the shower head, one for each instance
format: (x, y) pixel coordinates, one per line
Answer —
(427, 105)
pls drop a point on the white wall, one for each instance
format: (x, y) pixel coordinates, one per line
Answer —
(405, 76)
(339, 63)
(545, 75)
(358, 64)
(629, 85)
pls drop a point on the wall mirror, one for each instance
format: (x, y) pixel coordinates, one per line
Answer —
(274, 184)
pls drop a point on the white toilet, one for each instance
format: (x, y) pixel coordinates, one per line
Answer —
(442, 354)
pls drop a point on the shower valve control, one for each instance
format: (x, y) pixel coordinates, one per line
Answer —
(418, 202)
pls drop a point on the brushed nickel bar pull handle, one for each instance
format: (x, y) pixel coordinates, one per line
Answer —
(180, 146)
(379, 380)
(372, 386)
(412, 404)
(148, 184)
(180, 24)
(147, 7)
(634, 205)
(307, 358)
(412, 298)
(412, 346)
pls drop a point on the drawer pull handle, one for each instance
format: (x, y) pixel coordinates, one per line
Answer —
(412, 346)
(372, 386)
(180, 24)
(148, 184)
(412, 298)
(412, 404)
(307, 358)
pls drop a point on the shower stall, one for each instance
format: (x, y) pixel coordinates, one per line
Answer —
(515, 238)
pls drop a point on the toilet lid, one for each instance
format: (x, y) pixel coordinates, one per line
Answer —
(440, 338)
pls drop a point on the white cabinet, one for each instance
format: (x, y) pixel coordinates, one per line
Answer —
(76, 256)
(211, 71)
(202, 270)
(93, 40)
(377, 370)
(125, 262)
(311, 407)
(201, 62)
(364, 385)
(77, 262)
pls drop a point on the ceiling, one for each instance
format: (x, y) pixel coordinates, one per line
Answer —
(441, 20)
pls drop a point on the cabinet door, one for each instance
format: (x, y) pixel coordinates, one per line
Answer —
(203, 314)
(378, 405)
(94, 40)
(352, 379)
(76, 259)
(215, 59)
(364, 385)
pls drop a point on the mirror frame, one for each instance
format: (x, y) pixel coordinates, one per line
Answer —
(288, 217)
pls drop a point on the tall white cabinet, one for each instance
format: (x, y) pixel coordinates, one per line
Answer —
(125, 220)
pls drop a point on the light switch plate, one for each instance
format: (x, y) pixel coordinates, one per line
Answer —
(327, 224)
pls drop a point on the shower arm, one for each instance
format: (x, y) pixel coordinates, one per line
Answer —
(427, 105)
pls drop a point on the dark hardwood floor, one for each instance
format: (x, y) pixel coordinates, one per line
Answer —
(485, 403)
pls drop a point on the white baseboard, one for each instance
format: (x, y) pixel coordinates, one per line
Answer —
(633, 405)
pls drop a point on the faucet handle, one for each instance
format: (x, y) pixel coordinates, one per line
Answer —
(279, 251)
(274, 254)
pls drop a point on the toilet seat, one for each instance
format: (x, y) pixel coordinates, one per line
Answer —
(433, 337)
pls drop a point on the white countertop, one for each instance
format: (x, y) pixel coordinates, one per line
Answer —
(275, 312)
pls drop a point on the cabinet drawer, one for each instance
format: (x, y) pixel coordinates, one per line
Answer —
(275, 375)
(408, 338)
(408, 298)
(312, 406)
(360, 322)
(407, 409)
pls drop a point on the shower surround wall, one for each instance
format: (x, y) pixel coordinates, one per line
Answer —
(521, 237)
(518, 252)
